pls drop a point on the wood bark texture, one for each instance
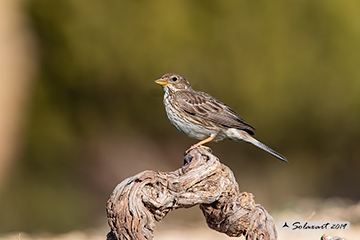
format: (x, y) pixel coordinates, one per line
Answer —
(326, 237)
(139, 201)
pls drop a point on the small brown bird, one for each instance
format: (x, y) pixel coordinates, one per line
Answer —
(201, 116)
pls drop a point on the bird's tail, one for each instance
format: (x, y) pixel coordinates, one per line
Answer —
(239, 135)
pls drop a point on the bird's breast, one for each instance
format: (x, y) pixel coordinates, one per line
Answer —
(190, 125)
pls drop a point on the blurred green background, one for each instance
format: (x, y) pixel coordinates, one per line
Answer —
(94, 115)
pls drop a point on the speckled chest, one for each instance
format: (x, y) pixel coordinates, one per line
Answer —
(188, 124)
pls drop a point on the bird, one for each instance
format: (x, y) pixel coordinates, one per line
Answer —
(199, 115)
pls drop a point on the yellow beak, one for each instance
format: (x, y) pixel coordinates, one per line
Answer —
(161, 81)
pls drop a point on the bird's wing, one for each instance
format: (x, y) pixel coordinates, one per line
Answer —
(205, 106)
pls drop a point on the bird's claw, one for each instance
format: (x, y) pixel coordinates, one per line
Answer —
(197, 146)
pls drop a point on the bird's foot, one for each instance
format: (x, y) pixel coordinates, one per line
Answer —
(195, 146)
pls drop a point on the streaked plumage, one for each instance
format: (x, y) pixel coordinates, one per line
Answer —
(201, 116)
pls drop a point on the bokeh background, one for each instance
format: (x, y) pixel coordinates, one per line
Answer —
(79, 110)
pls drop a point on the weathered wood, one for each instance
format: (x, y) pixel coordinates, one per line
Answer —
(137, 202)
(326, 237)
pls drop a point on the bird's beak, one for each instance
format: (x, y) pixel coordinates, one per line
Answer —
(161, 81)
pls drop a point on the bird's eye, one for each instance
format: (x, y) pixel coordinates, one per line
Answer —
(174, 79)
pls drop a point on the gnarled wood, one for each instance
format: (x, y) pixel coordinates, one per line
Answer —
(326, 237)
(137, 202)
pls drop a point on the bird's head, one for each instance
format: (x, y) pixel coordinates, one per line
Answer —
(172, 82)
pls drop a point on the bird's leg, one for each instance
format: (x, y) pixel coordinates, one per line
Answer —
(209, 139)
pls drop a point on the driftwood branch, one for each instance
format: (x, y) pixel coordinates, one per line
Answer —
(326, 237)
(139, 201)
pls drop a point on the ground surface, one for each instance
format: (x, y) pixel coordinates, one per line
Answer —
(171, 228)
